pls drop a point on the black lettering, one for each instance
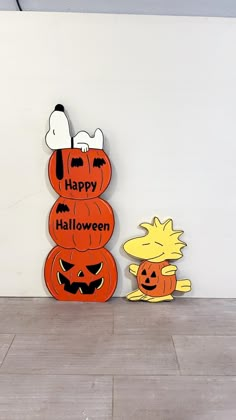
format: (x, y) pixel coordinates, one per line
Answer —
(68, 184)
(72, 224)
(94, 184)
(95, 226)
(80, 186)
(59, 224)
(86, 226)
(87, 186)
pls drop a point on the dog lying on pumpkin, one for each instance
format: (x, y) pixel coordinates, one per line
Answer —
(58, 136)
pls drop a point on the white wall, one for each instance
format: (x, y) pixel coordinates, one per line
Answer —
(163, 90)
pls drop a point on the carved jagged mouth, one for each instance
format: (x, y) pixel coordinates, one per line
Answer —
(148, 287)
(84, 288)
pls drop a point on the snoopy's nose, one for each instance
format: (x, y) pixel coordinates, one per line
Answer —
(59, 107)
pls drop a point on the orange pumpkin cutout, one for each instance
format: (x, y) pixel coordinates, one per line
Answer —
(81, 224)
(89, 276)
(79, 175)
(152, 282)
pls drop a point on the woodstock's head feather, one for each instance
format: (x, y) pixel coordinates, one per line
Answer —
(160, 243)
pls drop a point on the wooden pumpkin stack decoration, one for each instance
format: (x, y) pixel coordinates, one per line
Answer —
(79, 268)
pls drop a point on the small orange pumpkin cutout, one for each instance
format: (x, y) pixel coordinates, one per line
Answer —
(152, 282)
(89, 276)
(79, 175)
(81, 224)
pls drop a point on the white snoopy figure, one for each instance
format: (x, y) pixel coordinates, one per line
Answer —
(58, 136)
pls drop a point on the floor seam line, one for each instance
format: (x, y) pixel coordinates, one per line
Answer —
(176, 356)
(7, 352)
(112, 410)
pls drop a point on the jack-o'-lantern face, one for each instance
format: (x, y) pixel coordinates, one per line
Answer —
(80, 276)
(90, 272)
(148, 280)
(152, 282)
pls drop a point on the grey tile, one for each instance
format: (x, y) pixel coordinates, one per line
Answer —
(5, 342)
(206, 355)
(30, 397)
(181, 316)
(174, 398)
(47, 315)
(91, 354)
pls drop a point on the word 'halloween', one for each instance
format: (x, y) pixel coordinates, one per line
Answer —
(80, 185)
(72, 224)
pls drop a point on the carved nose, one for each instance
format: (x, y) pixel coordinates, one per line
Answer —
(147, 280)
(59, 107)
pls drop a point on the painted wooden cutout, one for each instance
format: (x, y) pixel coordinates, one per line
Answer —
(79, 168)
(156, 277)
(79, 268)
(81, 224)
(89, 276)
(58, 136)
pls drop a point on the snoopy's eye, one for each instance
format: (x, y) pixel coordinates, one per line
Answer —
(53, 131)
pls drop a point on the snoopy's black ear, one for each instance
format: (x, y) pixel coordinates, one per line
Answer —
(59, 107)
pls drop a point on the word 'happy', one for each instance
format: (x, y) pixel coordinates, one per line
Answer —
(80, 185)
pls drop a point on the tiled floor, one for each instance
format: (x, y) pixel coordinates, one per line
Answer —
(119, 360)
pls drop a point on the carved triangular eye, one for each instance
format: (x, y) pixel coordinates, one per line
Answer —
(80, 274)
(144, 272)
(95, 268)
(153, 274)
(65, 265)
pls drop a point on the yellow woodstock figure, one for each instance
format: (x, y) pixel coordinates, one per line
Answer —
(156, 277)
